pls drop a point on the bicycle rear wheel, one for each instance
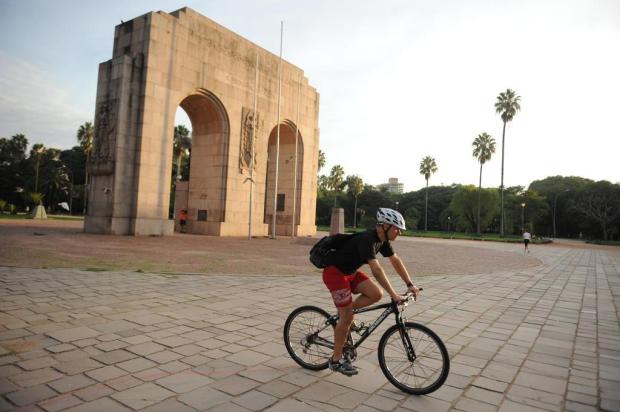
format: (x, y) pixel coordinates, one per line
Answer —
(308, 337)
(426, 372)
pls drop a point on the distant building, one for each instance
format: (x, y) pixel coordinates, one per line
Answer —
(393, 186)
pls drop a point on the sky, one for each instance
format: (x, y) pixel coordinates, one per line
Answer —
(399, 79)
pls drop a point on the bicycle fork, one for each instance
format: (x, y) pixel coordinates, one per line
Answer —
(404, 337)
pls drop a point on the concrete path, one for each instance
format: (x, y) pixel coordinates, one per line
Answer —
(544, 338)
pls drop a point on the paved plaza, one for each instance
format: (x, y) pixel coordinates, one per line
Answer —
(546, 337)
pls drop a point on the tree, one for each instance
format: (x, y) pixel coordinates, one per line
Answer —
(321, 159)
(12, 167)
(484, 147)
(507, 105)
(85, 136)
(355, 186)
(335, 181)
(466, 202)
(182, 144)
(37, 151)
(600, 201)
(428, 166)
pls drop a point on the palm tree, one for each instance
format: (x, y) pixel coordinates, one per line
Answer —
(355, 184)
(182, 143)
(335, 180)
(428, 166)
(37, 150)
(484, 147)
(507, 105)
(85, 135)
(321, 159)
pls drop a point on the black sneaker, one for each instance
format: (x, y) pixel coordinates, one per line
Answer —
(343, 366)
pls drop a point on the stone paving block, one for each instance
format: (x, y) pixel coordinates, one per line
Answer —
(9, 370)
(174, 341)
(184, 382)
(471, 405)
(255, 400)
(31, 395)
(261, 373)
(279, 389)
(196, 360)
(484, 395)
(540, 382)
(145, 348)
(111, 345)
(169, 405)
(77, 366)
(106, 373)
(71, 383)
(235, 385)
(37, 377)
(142, 396)
(60, 402)
(115, 356)
(123, 382)
(151, 374)
(93, 392)
(425, 403)
(164, 356)
(135, 365)
(73, 334)
(64, 347)
(289, 405)
(248, 358)
(229, 407)
(7, 386)
(100, 405)
(204, 398)
(37, 363)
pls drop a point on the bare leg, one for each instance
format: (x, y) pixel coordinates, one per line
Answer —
(342, 329)
(370, 293)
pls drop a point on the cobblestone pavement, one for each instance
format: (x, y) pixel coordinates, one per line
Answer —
(542, 338)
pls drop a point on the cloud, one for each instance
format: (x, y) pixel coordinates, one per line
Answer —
(33, 102)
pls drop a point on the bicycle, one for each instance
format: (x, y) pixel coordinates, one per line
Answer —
(411, 356)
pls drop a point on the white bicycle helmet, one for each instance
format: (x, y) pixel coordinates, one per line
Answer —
(391, 217)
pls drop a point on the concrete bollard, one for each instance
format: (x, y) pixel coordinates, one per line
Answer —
(337, 221)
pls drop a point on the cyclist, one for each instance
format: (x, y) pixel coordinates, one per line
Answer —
(343, 278)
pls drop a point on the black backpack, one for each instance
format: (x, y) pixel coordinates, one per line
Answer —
(327, 244)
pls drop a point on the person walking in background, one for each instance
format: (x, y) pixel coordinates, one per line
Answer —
(527, 238)
(183, 219)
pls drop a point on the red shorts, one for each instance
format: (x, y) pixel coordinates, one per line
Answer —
(342, 285)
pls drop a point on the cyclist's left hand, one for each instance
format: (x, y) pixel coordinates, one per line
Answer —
(414, 289)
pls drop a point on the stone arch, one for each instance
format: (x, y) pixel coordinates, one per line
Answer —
(209, 161)
(286, 178)
(161, 61)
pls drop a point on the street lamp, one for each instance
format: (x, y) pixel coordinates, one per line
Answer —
(449, 224)
(397, 206)
(522, 217)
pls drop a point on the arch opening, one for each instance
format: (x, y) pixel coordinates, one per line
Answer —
(289, 182)
(203, 195)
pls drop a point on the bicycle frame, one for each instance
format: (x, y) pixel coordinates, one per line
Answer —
(389, 309)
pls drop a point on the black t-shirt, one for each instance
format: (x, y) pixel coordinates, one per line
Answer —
(358, 251)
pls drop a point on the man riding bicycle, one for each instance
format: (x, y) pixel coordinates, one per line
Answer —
(343, 278)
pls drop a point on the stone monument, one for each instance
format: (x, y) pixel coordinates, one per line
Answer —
(165, 60)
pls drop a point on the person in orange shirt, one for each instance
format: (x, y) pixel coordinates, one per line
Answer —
(183, 219)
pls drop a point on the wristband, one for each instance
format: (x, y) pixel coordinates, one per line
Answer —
(409, 284)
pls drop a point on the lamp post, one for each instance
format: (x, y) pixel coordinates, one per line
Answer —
(397, 206)
(522, 217)
(449, 217)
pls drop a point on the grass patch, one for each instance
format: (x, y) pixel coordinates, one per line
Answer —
(95, 269)
(451, 235)
(604, 242)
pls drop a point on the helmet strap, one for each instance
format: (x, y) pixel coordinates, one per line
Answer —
(385, 232)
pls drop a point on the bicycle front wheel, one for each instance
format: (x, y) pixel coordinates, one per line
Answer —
(309, 338)
(422, 373)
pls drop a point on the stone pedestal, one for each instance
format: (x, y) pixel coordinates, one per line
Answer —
(337, 221)
(38, 212)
